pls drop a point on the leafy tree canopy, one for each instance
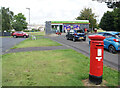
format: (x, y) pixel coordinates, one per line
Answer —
(86, 14)
(19, 22)
(116, 13)
(0, 20)
(111, 20)
(107, 21)
(7, 16)
(110, 3)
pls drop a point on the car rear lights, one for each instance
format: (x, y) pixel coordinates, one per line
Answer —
(116, 40)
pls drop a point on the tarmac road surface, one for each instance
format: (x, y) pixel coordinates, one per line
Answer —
(7, 43)
(110, 59)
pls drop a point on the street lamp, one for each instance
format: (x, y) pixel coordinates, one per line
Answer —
(29, 14)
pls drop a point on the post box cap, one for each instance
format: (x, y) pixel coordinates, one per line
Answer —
(96, 37)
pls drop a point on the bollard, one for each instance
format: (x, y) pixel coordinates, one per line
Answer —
(96, 58)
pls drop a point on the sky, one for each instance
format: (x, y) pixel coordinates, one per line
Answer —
(49, 10)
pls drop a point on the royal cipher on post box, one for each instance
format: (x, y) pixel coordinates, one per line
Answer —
(96, 58)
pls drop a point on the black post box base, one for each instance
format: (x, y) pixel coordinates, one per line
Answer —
(95, 79)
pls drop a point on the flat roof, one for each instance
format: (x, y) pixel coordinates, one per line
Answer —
(73, 22)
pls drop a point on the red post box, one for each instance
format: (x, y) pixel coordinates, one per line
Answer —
(96, 58)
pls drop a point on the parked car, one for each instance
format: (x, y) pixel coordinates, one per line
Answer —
(20, 34)
(58, 33)
(111, 41)
(76, 35)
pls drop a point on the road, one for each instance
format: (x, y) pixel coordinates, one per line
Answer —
(110, 59)
(7, 43)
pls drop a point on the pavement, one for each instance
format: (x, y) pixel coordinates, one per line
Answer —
(36, 49)
(7, 43)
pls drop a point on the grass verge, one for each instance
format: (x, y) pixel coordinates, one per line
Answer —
(49, 68)
(100, 30)
(43, 42)
(36, 33)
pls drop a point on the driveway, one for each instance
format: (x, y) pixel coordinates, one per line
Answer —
(83, 47)
(7, 43)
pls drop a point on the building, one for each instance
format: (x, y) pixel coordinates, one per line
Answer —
(36, 27)
(63, 26)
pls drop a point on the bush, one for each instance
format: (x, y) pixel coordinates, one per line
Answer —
(26, 31)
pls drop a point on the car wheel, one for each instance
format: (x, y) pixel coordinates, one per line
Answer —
(84, 39)
(73, 39)
(67, 38)
(112, 49)
(14, 36)
(25, 36)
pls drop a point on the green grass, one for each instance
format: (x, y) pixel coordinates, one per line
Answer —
(43, 42)
(100, 30)
(49, 68)
(36, 33)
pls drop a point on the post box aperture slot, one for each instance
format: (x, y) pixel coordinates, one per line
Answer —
(99, 45)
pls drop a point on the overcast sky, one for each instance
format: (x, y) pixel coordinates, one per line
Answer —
(46, 10)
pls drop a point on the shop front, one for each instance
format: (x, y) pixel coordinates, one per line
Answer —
(64, 26)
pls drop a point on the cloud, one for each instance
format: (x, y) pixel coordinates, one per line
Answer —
(44, 10)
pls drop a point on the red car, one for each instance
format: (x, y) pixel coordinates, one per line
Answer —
(20, 34)
(59, 33)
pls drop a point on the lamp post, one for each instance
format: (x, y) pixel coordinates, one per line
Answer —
(29, 14)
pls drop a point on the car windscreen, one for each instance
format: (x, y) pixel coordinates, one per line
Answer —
(19, 32)
(80, 31)
(101, 33)
(117, 35)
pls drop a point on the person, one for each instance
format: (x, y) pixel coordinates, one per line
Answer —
(86, 30)
(68, 28)
(95, 30)
(78, 27)
(56, 31)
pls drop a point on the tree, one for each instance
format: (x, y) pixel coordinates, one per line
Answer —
(19, 22)
(7, 16)
(117, 19)
(111, 20)
(86, 14)
(107, 21)
(0, 19)
(110, 3)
